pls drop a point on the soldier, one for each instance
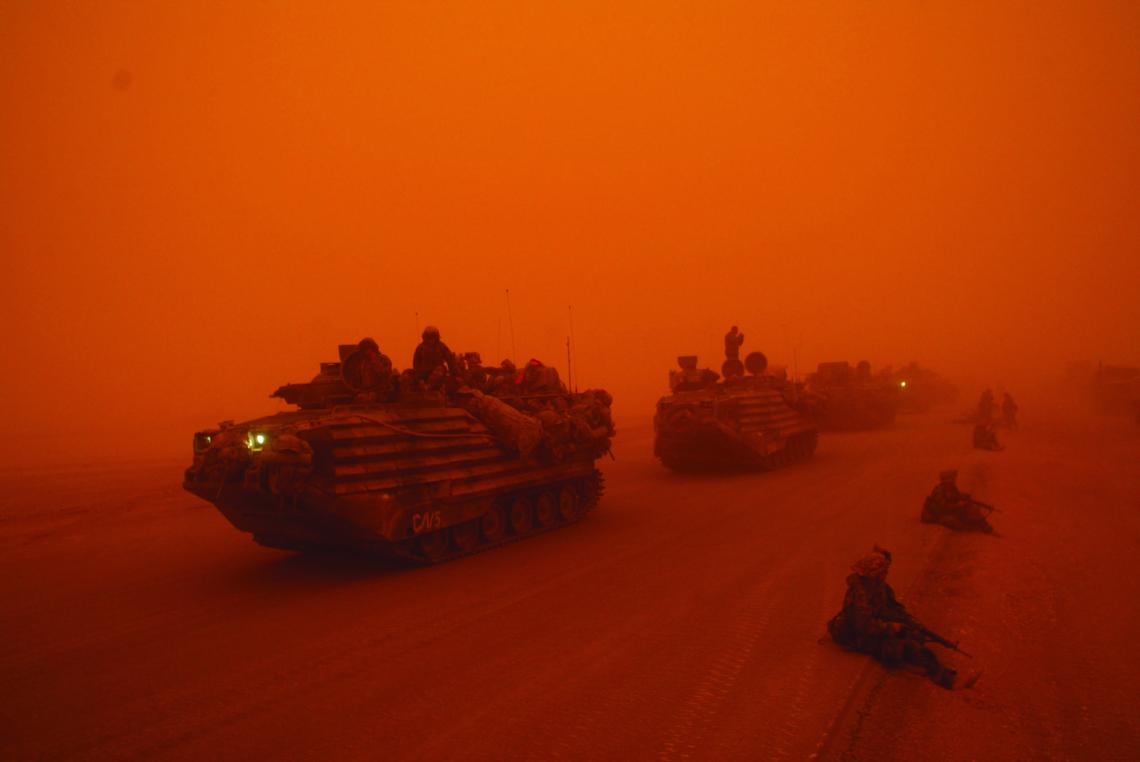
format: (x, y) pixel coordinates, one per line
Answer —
(369, 370)
(732, 342)
(986, 406)
(872, 621)
(538, 378)
(950, 507)
(1009, 411)
(985, 437)
(432, 354)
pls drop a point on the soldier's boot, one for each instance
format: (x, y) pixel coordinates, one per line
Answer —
(929, 512)
(943, 677)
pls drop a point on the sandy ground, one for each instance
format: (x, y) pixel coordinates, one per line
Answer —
(684, 619)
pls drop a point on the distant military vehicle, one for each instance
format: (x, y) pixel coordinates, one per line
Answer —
(744, 421)
(843, 397)
(1116, 388)
(378, 462)
(919, 388)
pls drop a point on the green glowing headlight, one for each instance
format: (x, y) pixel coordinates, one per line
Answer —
(256, 440)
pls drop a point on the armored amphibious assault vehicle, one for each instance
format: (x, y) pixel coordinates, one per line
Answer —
(843, 397)
(382, 462)
(741, 422)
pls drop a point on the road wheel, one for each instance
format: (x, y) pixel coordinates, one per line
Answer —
(569, 506)
(434, 546)
(465, 535)
(493, 524)
(522, 515)
(545, 509)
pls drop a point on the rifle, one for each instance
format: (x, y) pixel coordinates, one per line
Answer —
(934, 637)
(986, 506)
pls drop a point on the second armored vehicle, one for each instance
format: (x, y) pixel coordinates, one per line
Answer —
(842, 397)
(740, 422)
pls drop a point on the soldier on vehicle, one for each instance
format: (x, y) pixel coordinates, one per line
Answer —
(732, 343)
(950, 507)
(873, 622)
(432, 354)
(538, 378)
(985, 437)
(690, 377)
(368, 370)
(1009, 411)
(732, 368)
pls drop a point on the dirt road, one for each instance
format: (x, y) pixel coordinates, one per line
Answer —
(684, 619)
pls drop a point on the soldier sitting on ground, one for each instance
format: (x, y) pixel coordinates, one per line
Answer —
(950, 507)
(985, 437)
(873, 622)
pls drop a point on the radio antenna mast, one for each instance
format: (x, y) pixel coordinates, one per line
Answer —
(569, 341)
(511, 322)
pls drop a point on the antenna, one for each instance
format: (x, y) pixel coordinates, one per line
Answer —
(569, 341)
(569, 366)
(511, 322)
(499, 340)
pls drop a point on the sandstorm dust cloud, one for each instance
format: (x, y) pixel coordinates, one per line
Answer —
(198, 201)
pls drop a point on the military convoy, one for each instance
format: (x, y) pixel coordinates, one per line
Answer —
(442, 461)
(744, 421)
(385, 463)
(843, 397)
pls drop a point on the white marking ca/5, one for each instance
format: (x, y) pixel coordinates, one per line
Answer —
(426, 521)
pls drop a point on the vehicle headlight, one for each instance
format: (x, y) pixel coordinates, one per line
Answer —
(256, 440)
(902, 384)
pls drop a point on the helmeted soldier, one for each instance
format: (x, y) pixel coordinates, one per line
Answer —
(368, 370)
(872, 621)
(949, 506)
(432, 354)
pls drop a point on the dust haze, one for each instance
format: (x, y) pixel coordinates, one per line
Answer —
(199, 201)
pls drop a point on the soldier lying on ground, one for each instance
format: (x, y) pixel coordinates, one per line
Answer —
(952, 508)
(873, 622)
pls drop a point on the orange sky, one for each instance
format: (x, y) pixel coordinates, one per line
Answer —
(198, 201)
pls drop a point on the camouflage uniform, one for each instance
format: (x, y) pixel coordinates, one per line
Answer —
(432, 354)
(952, 508)
(369, 370)
(873, 622)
